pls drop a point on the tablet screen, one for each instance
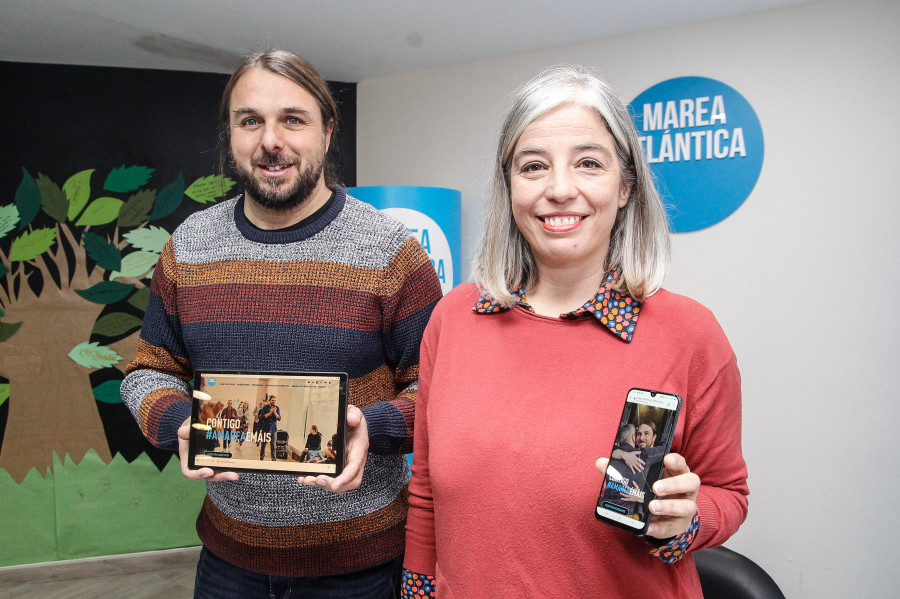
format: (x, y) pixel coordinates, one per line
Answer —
(269, 421)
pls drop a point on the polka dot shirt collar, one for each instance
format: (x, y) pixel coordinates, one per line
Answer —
(616, 311)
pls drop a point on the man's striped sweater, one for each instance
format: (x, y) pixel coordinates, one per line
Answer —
(349, 292)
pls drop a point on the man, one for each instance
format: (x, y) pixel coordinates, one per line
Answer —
(622, 452)
(228, 416)
(646, 434)
(269, 415)
(632, 475)
(294, 275)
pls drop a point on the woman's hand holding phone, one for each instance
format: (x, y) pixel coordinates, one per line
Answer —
(676, 499)
(643, 439)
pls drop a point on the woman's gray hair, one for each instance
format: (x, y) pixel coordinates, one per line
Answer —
(639, 241)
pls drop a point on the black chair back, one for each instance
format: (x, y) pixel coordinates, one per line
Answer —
(726, 574)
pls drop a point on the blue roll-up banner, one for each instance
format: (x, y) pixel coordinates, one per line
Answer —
(432, 214)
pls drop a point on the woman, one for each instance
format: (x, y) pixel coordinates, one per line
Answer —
(244, 417)
(313, 445)
(568, 316)
(257, 420)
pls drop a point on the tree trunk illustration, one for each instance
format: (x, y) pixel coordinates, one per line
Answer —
(52, 407)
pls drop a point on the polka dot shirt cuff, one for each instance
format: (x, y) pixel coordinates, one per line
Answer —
(413, 584)
(677, 547)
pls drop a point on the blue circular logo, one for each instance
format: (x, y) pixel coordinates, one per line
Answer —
(211, 382)
(704, 144)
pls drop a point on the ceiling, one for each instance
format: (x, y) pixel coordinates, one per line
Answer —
(347, 40)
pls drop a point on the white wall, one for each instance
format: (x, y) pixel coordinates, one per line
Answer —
(803, 277)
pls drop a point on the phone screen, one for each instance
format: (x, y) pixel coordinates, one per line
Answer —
(643, 439)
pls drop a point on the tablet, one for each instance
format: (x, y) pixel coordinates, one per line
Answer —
(277, 422)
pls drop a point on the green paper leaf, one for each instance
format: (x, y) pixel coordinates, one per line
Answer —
(94, 355)
(106, 292)
(53, 200)
(135, 264)
(78, 190)
(3, 271)
(32, 244)
(116, 324)
(127, 178)
(137, 209)
(151, 239)
(103, 252)
(100, 212)
(4, 393)
(140, 298)
(9, 216)
(169, 198)
(108, 392)
(28, 200)
(206, 189)
(8, 329)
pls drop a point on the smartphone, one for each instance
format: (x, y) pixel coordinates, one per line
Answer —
(643, 439)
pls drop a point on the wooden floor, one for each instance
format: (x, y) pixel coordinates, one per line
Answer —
(151, 575)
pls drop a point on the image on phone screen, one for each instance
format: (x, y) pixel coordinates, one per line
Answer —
(643, 438)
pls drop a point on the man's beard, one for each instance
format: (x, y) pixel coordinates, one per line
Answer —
(277, 193)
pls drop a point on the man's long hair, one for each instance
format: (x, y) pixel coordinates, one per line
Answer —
(300, 72)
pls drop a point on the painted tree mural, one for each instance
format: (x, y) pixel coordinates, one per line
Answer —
(75, 265)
